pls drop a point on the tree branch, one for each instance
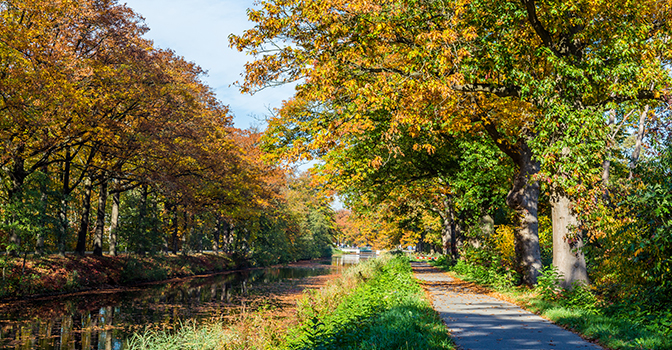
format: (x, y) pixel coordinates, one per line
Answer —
(500, 91)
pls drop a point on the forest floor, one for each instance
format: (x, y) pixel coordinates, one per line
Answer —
(48, 275)
(480, 319)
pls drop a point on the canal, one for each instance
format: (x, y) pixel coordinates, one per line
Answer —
(106, 319)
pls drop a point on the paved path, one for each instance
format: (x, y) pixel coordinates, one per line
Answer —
(478, 321)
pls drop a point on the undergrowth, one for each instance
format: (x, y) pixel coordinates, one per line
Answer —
(630, 322)
(373, 305)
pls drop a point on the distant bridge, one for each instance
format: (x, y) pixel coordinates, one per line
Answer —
(359, 250)
(350, 250)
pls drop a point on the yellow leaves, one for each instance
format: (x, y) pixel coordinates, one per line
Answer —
(430, 149)
(377, 162)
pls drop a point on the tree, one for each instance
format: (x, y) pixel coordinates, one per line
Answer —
(534, 76)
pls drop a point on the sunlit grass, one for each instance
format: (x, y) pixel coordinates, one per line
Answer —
(614, 330)
(374, 305)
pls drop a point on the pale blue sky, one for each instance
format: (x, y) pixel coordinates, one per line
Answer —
(199, 30)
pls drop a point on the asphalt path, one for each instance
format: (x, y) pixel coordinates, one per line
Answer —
(479, 321)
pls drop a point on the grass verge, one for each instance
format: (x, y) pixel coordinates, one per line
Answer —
(374, 305)
(612, 325)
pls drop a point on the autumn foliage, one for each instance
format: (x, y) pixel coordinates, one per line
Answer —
(110, 144)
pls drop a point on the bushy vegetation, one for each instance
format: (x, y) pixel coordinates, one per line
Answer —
(625, 323)
(374, 305)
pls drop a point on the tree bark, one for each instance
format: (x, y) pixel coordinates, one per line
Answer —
(447, 234)
(524, 199)
(114, 222)
(606, 163)
(638, 142)
(84, 222)
(100, 217)
(226, 244)
(217, 233)
(568, 255)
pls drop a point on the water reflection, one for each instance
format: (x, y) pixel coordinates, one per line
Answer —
(351, 259)
(105, 319)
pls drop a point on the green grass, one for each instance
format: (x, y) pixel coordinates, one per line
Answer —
(374, 305)
(612, 326)
(189, 337)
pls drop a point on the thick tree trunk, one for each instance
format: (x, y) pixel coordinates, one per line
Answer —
(84, 222)
(487, 225)
(447, 236)
(524, 199)
(114, 222)
(100, 217)
(568, 255)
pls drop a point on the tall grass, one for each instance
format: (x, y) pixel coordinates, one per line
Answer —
(374, 305)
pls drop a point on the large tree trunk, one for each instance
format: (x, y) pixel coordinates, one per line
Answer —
(114, 222)
(84, 223)
(450, 229)
(568, 255)
(446, 234)
(100, 217)
(524, 199)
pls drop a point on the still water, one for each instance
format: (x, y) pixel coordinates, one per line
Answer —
(106, 319)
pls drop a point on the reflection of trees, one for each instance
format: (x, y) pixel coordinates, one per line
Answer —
(104, 319)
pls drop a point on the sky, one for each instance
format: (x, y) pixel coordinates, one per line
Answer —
(198, 30)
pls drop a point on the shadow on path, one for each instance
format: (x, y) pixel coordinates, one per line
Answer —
(479, 321)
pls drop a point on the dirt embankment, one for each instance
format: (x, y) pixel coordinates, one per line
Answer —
(47, 275)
